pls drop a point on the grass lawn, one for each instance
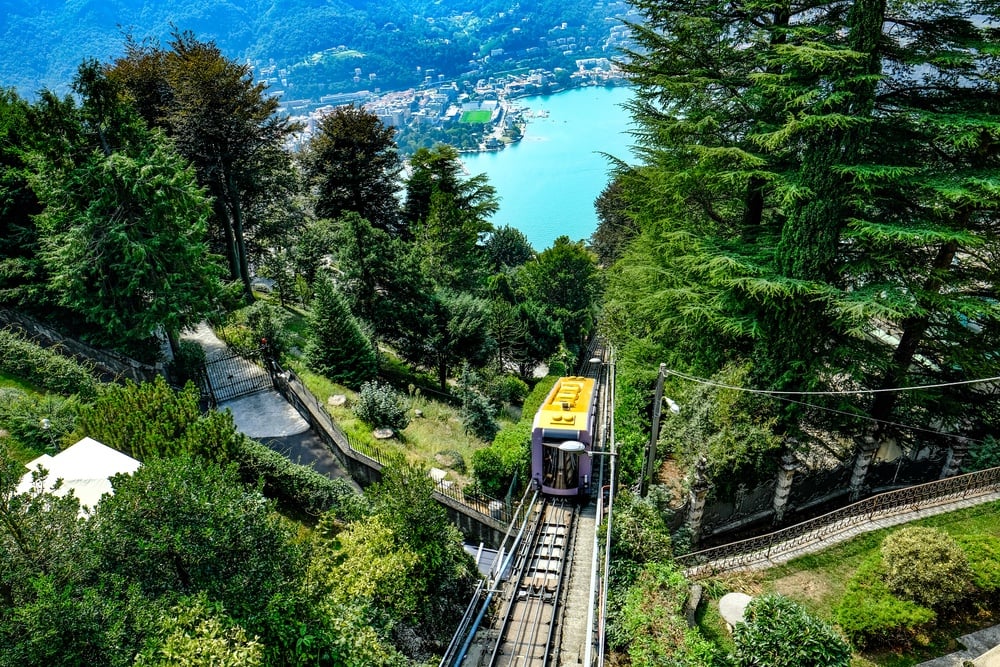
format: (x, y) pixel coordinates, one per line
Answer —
(818, 581)
(437, 439)
(478, 116)
(14, 448)
(11, 382)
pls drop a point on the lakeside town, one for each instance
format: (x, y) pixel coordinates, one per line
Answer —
(493, 83)
(445, 104)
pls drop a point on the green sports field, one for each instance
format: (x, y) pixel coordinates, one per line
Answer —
(478, 116)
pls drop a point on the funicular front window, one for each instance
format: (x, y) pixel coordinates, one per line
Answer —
(560, 470)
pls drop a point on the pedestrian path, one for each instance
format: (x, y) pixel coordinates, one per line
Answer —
(267, 417)
(982, 649)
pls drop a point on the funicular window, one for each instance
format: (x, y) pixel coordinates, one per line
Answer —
(560, 470)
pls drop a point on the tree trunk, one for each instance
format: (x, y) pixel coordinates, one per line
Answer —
(239, 240)
(914, 329)
(222, 215)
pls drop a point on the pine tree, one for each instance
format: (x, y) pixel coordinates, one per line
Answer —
(817, 181)
(354, 167)
(337, 347)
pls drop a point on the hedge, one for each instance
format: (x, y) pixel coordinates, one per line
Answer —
(299, 490)
(494, 467)
(44, 367)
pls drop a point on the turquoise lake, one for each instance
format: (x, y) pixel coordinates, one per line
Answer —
(548, 181)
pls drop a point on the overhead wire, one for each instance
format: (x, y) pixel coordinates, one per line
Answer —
(843, 392)
(782, 395)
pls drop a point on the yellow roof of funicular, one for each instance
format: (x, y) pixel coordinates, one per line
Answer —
(567, 404)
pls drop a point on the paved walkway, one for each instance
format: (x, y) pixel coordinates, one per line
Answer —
(977, 645)
(267, 417)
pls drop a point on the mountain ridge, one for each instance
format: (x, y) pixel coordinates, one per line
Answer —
(399, 41)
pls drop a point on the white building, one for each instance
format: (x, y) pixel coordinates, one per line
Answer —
(86, 467)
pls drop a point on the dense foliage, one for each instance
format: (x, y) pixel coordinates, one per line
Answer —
(815, 203)
(160, 573)
(152, 420)
(649, 626)
(43, 367)
(778, 632)
(507, 458)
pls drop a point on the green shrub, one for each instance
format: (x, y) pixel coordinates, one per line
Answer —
(188, 364)
(151, 420)
(983, 456)
(639, 533)
(983, 553)
(778, 632)
(870, 615)
(40, 423)
(298, 490)
(537, 397)
(925, 565)
(247, 330)
(477, 416)
(477, 411)
(648, 622)
(269, 324)
(381, 406)
(506, 390)
(44, 367)
(496, 466)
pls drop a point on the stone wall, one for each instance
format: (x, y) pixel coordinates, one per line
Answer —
(111, 366)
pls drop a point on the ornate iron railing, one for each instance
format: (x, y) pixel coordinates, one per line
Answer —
(745, 553)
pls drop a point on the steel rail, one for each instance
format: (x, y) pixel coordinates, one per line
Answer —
(525, 553)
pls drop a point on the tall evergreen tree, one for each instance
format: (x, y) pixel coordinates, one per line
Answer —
(381, 278)
(337, 347)
(123, 230)
(220, 120)
(353, 164)
(438, 170)
(815, 178)
(21, 271)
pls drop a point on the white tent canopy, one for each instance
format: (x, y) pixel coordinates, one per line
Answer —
(85, 467)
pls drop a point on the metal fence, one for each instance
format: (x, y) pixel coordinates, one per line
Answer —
(232, 376)
(741, 554)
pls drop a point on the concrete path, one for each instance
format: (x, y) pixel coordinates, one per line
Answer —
(204, 336)
(981, 649)
(267, 417)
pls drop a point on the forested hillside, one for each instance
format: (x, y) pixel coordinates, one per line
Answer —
(46, 41)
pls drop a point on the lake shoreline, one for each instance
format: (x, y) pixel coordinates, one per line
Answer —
(547, 182)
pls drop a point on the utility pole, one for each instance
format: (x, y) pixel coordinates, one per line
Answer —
(647, 475)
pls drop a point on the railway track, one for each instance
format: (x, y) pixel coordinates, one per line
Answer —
(526, 627)
(536, 608)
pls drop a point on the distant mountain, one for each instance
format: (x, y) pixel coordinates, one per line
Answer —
(316, 46)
